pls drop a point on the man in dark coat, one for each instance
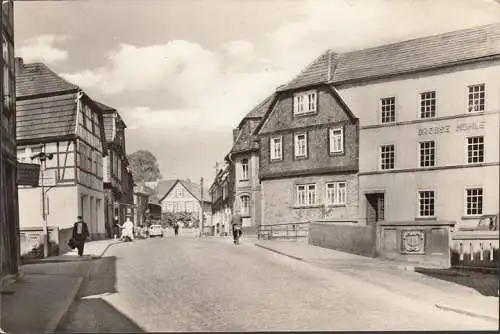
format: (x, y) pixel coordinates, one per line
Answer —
(80, 234)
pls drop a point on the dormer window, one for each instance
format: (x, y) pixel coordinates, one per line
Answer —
(305, 102)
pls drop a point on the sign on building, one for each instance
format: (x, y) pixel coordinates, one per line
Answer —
(28, 174)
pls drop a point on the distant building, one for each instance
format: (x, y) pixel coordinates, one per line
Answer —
(118, 183)
(142, 196)
(9, 208)
(57, 117)
(222, 196)
(244, 159)
(178, 196)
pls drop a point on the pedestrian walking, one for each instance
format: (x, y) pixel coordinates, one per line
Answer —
(116, 227)
(80, 234)
(236, 224)
(176, 227)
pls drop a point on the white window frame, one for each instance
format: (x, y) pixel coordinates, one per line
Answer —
(466, 201)
(336, 193)
(244, 169)
(336, 140)
(388, 110)
(272, 148)
(419, 204)
(305, 102)
(245, 210)
(381, 158)
(468, 146)
(298, 153)
(426, 153)
(476, 102)
(427, 108)
(309, 192)
(179, 192)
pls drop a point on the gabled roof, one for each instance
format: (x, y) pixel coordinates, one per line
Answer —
(37, 79)
(245, 140)
(318, 72)
(193, 188)
(46, 117)
(404, 57)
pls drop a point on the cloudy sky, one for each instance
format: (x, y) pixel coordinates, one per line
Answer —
(182, 73)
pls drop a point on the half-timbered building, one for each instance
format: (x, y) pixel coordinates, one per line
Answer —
(58, 118)
(118, 182)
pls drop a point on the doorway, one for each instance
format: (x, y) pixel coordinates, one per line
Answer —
(375, 207)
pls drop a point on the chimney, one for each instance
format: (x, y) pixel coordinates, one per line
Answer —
(19, 64)
(235, 134)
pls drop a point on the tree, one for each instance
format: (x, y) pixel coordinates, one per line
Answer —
(144, 166)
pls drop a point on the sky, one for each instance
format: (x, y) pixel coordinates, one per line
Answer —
(183, 73)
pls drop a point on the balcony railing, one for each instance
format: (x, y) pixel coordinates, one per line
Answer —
(475, 249)
(283, 231)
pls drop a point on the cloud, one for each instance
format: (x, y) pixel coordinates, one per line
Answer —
(43, 48)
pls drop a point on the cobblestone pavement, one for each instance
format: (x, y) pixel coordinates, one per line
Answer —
(193, 284)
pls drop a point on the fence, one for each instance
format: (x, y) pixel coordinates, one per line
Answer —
(475, 249)
(283, 231)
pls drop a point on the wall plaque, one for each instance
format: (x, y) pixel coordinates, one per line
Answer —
(412, 242)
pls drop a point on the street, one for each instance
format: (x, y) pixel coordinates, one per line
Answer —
(190, 284)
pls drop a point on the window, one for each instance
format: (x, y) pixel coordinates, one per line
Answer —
(245, 205)
(426, 203)
(476, 98)
(189, 206)
(276, 148)
(36, 149)
(475, 149)
(301, 145)
(179, 192)
(388, 110)
(474, 201)
(387, 156)
(304, 103)
(427, 154)
(306, 194)
(337, 140)
(244, 169)
(336, 193)
(428, 105)
(170, 206)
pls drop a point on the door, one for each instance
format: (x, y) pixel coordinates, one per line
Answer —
(375, 207)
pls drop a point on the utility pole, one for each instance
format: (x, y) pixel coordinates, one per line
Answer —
(201, 208)
(2, 168)
(42, 156)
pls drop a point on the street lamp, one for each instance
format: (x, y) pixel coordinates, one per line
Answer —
(43, 157)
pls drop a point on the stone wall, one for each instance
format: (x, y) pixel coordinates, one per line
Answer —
(344, 236)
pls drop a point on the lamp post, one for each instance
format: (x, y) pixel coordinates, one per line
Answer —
(43, 157)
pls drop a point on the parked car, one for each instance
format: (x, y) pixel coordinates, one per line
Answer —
(155, 231)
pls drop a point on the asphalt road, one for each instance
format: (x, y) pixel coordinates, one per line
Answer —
(192, 284)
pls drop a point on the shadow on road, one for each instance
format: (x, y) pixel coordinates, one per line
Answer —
(92, 313)
(485, 283)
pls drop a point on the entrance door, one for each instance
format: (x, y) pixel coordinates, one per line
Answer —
(374, 207)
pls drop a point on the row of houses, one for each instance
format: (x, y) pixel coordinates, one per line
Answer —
(407, 131)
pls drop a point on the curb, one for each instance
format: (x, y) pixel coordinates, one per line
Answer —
(278, 252)
(106, 249)
(63, 313)
(470, 314)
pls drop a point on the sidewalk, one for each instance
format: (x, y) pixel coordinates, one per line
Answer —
(396, 277)
(38, 300)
